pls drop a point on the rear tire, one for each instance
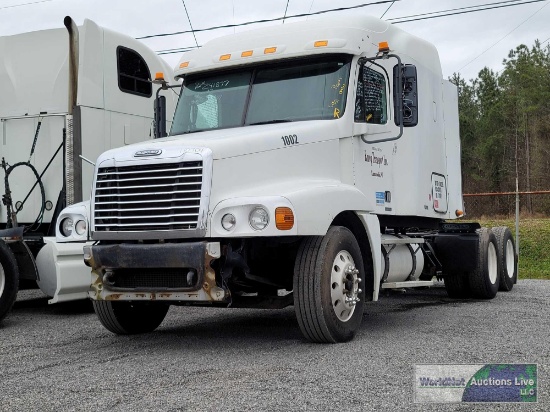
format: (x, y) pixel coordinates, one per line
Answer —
(507, 258)
(484, 280)
(9, 279)
(329, 284)
(129, 318)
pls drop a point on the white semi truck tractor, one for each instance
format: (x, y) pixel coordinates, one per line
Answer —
(66, 96)
(311, 164)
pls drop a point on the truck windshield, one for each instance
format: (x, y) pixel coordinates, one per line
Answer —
(299, 90)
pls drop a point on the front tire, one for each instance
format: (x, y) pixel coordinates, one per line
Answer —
(329, 283)
(457, 286)
(484, 279)
(507, 258)
(130, 318)
(9, 279)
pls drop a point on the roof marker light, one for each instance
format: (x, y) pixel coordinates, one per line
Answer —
(247, 53)
(225, 57)
(320, 43)
(269, 50)
(184, 65)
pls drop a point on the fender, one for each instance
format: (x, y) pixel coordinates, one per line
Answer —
(328, 199)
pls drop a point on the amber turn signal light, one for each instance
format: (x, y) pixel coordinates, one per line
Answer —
(383, 47)
(284, 218)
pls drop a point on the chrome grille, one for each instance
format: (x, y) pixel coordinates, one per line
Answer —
(148, 197)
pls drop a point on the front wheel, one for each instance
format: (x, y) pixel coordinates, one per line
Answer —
(329, 287)
(129, 318)
(9, 279)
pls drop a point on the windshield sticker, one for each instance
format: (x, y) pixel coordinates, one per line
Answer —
(339, 86)
(208, 86)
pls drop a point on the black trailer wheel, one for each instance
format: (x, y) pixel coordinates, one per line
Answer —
(457, 286)
(484, 279)
(329, 284)
(507, 258)
(9, 279)
(129, 318)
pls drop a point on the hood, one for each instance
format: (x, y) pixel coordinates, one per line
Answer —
(226, 143)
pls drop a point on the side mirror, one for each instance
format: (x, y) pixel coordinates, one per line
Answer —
(408, 101)
(160, 117)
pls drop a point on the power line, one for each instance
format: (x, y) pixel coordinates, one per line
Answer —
(463, 12)
(190, 25)
(493, 45)
(457, 9)
(403, 19)
(177, 50)
(269, 20)
(287, 1)
(25, 4)
(389, 7)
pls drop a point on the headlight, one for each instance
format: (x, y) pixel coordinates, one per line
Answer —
(80, 227)
(258, 218)
(72, 223)
(228, 221)
(66, 227)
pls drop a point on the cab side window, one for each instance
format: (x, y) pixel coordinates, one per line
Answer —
(133, 73)
(371, 103)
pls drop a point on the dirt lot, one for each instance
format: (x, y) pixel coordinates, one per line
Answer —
(60, 358)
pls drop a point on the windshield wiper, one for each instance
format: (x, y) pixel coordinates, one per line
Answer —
(270, 122)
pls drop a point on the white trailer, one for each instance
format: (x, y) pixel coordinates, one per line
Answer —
(312, 164)
(67, 95)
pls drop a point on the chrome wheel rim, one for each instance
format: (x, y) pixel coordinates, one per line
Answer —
(510, 259)
(344, 288)
(492, 263)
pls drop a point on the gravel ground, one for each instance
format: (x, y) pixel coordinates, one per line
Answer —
(201, 359)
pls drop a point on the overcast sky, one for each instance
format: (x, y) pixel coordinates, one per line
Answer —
(459, 39)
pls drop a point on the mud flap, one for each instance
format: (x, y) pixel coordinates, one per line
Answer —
(9, 279)
(25, 260)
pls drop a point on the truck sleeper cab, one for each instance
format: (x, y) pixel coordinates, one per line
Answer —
(67, 95)
(307, 165)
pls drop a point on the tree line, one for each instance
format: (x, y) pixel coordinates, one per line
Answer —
(505, 129)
